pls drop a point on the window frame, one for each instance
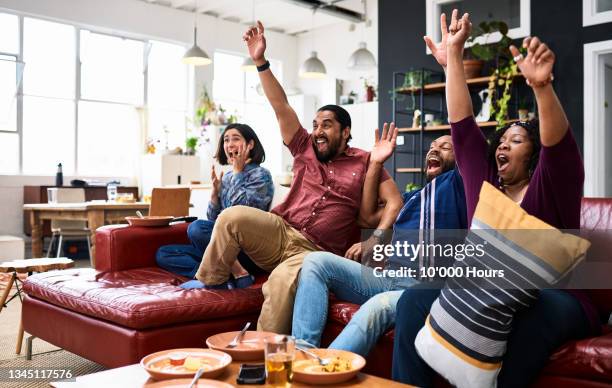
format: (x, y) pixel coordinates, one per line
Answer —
(432, 20)
(77, 97)
(590, 16)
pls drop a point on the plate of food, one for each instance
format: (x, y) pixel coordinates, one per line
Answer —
(340, 366)
(249, 348)
(177, 363)
(149, 220)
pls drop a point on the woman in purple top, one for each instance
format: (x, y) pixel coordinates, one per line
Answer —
(536, 164)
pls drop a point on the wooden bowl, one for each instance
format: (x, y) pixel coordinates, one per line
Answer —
(251, 348)
(218, 361)
(149, 220)
(315, 377)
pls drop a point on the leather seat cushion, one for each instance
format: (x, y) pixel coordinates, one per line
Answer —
(139, 298)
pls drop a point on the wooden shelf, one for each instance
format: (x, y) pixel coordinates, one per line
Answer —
(437, 128)
(439, 86)
(409, 170)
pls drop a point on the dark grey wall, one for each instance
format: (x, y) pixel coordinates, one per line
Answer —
(559, 24)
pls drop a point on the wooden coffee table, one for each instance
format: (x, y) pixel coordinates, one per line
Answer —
(134, 376)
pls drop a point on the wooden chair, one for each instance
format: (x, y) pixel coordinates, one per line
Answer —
(170, 202)
(66, 228)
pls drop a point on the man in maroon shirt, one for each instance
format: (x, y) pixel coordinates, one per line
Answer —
(320, 212)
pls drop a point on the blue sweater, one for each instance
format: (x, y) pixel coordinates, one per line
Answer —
(251, 187)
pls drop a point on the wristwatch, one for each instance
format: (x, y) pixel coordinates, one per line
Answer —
(379, 234)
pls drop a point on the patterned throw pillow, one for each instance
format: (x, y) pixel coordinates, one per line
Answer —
(464, 338)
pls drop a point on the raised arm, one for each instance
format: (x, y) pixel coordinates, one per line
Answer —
(287, 119)
(537, 67)
(458, 101)
(369, 212)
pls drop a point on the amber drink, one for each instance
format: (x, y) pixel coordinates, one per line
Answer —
(280, 352)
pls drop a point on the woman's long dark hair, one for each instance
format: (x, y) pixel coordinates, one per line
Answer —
(533, 132)
(257, 154)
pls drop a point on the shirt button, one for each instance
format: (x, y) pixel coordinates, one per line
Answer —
(331, 172)
(354, 174)
(328, 187)
(313, 213)
(323, 198)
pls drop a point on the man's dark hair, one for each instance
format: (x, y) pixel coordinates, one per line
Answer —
(533, 132)
(257, 154)
(343, 117)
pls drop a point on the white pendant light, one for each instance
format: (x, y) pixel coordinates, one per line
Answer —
(195, 55)
(313, 67)
(362, 59)
(248, 65)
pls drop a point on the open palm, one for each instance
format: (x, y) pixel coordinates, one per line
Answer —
(256, 41)
(538, 64)
(438, 50)
(384, 146)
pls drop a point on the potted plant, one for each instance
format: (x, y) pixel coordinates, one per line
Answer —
(505, 68)
(480, 50)
(190, 145)
(523, 109)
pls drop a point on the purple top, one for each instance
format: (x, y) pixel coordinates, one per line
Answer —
(555, 189)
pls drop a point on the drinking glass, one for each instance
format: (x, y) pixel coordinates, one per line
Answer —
(111, 192)
(280, 352)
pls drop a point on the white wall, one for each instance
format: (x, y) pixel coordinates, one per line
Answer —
(334, 45)
(135, 19)
(608, 123)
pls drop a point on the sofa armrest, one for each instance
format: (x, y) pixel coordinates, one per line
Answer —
(121, 247)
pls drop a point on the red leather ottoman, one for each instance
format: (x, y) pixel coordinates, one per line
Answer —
(132, 308)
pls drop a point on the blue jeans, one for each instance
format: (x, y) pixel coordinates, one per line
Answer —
(323, 272)
(538, 331)
(185, 260)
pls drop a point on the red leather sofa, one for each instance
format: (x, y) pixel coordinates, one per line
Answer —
(127, 308)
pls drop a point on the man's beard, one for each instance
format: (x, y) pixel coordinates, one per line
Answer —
(332, 150)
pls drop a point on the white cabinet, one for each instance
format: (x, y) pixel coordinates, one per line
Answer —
(364, 120)
(166, 170)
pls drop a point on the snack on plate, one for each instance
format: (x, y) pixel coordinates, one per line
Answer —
(336, 364)
(180, 363)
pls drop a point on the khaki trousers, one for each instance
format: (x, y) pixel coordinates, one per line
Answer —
(272, 245)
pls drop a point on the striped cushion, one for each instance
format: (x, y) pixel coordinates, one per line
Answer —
(464, 338)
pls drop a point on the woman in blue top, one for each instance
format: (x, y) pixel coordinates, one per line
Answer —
(247, 184)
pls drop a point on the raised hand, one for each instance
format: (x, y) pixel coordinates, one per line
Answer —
(241, 158)
(438, 50)
(256, 42)
(216, 184)
(385, 144)
(459, 30)
(538, 64)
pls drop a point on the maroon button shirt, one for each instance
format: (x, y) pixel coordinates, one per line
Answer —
(324, 199)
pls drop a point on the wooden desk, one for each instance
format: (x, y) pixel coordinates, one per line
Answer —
(96, 214)
(134, 376)
(38, 194)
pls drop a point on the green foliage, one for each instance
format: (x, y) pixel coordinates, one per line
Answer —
(191, 143)
(489, 51)
(412, 186)
(505, 69)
